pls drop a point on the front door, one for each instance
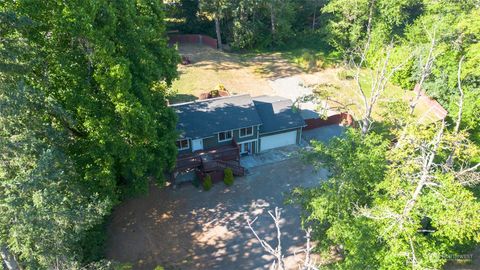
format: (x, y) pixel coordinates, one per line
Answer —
(246, 148)
(197, 145)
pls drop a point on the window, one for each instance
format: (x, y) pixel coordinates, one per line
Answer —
(225, 136)
(244, 132)
(183, 144)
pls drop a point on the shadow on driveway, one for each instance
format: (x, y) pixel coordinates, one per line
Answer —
(188, 228)
(323, 134)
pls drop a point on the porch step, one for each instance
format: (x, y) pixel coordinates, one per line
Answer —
(234, 165)
(215, 165)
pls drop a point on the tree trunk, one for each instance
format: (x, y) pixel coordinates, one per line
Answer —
(8, 259)
(219, 35)
(314, 17)
(272, 18)
(365, 126)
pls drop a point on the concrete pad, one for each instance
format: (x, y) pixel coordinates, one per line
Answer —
(270, 156)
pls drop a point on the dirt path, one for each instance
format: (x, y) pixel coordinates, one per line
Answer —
(188, 228)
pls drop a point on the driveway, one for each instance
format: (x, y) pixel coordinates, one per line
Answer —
(188, 228)
(323, 134)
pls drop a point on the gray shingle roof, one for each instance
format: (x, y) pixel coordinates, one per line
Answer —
(277, 114)
(200, 119)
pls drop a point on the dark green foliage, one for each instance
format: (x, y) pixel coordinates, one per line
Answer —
(83, 121)
(405, 76)
(228, 178)
(207, 182)
(362, 206)
(94, 243)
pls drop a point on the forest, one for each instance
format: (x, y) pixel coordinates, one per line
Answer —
(85, 122)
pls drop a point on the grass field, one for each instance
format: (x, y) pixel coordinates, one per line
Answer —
(254, 73)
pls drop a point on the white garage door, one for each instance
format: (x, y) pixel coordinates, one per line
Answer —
(278, 140)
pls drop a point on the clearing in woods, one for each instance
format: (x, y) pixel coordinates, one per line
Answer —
(272, 74)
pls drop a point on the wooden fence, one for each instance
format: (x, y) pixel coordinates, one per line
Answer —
(192, 39)
(341, 118)
(433, 106)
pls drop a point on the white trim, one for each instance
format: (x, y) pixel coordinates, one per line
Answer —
(226, 140)
(257, 148)
(248, 135)
(183, 148)
(300, 137)
(241, 147)
(280, 131)
(252, 140)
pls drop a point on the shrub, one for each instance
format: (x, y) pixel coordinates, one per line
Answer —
(345, 75)
(207, 182)
(214, 93)
(228, 178)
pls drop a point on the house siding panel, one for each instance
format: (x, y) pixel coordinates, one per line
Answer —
(188, 150)
(211, 142)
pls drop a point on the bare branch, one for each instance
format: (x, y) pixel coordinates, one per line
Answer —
(449, 162)
(460, 101)
(425, 174)
(471, 169)
(278, 263)
(426, 70)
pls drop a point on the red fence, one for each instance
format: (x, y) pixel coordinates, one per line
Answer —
(193, 39)
(341, 118)
(433, 105)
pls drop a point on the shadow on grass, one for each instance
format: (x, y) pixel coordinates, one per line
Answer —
(180, 98)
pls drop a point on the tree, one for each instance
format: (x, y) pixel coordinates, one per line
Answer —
(421, 210)
(357, 164)
(388, 204)
(84, 120)
(352, 21)
(42, 192)
(217, 9)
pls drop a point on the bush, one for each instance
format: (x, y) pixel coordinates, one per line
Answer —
(207, 182)
(345, 75)
(228, 178)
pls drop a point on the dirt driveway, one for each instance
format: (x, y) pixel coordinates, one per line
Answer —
(188, 228)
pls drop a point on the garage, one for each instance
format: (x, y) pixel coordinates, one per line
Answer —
(278, 140)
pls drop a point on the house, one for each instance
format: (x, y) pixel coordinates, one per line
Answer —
(255, 124)
(214, 133)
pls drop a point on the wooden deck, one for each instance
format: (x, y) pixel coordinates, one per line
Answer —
(211, 160)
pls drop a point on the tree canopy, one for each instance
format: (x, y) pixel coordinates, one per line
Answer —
(83, 119)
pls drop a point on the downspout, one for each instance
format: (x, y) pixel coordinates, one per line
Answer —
(258, 139)
(300, 138)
